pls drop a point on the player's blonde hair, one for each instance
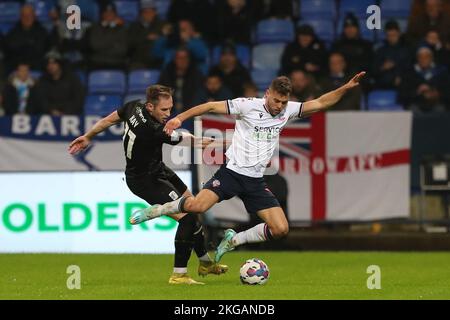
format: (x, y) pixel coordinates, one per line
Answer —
(156, 91)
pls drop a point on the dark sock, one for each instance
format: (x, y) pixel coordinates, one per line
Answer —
(184, 241)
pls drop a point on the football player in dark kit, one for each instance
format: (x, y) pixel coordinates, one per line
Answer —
(150, 179)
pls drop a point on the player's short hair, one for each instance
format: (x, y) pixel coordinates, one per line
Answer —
(282, 85)
(156, 91)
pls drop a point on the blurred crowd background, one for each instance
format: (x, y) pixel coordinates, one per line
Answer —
(220, 49)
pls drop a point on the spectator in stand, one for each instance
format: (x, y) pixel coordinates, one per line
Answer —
(432, 17)
(26, 42)
(213, 90)
(427, 85)
(307, 52)
(304, 87)
(200, 12)
(106, 42)
(142, 35)
(186, 36)
(68, 42)
(232, 72)
(234, 20)
(356, 50)
(60, 90)
(184, 77)
(19, 94)
(441, 50)
(392, 59)
(338, 75)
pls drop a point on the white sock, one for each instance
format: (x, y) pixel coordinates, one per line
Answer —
(169, 207)
(252, 235)
(179, 270)
(205, 258)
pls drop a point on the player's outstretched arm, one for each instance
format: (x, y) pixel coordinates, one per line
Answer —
(328, 99)
(211, 107)
(82, 142)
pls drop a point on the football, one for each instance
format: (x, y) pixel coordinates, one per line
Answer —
(254, 271)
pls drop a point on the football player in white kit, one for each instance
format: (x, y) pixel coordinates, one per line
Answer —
(259, 123)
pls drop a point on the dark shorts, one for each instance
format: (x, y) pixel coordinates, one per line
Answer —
(254, 192)
(158, 188)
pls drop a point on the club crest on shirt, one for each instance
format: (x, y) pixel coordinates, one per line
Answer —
(216, 183)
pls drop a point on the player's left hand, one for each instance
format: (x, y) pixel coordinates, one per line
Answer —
(79, 144)
(355, 80)
(171, 125)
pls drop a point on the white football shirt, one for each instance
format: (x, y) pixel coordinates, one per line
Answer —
(256, 134)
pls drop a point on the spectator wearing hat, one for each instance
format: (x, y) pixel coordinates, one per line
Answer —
(392, 59)
(357, 51)
(432, 17)
(307, 52)
(106, 42)
(142, 35)
(26, 42)
(427, 85)
(19, 94)
(231, 71)
(338, 75)
(213, 90)
(60, 89)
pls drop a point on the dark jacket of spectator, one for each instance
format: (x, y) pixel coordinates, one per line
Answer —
(21, 96)
(60, 89)
(234, 21)
(213, 90)
(307, 52)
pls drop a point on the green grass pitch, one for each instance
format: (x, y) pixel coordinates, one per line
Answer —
(293, 276)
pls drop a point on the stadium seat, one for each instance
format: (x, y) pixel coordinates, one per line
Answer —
(242, 53)
(131, 97)
(106, 81)
(162, 7)
(357, 7)
(42, 9)
(395, 9)
(383, 100)
(274, 30)
(5, 27)
(82, 76)
(9, 12)
(267, 56)
(262, 78)
(323, 28)
(89, 10)
(101, 105)
(127, 10)
(35, 74)
(139, 80)
(317, 9)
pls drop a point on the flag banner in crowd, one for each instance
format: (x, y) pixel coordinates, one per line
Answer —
(338, 166)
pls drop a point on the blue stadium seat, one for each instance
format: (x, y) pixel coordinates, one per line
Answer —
(131, 97)
(82, 76)
(107, 81)
(127, 10)
(89, 10)
(9, 12)
(317, 9)
(274, 30)
(323, 28)
(35, 74)
(262, 78)
(242, 53)
(139, 80)
(383, 100)
(102, 105)
(357, 7)
(267, 56)
(395, 9)
(42, 9)
(162, 7)
(6, 27)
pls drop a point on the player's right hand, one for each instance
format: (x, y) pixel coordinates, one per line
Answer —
(79, 144)
(171, 125)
